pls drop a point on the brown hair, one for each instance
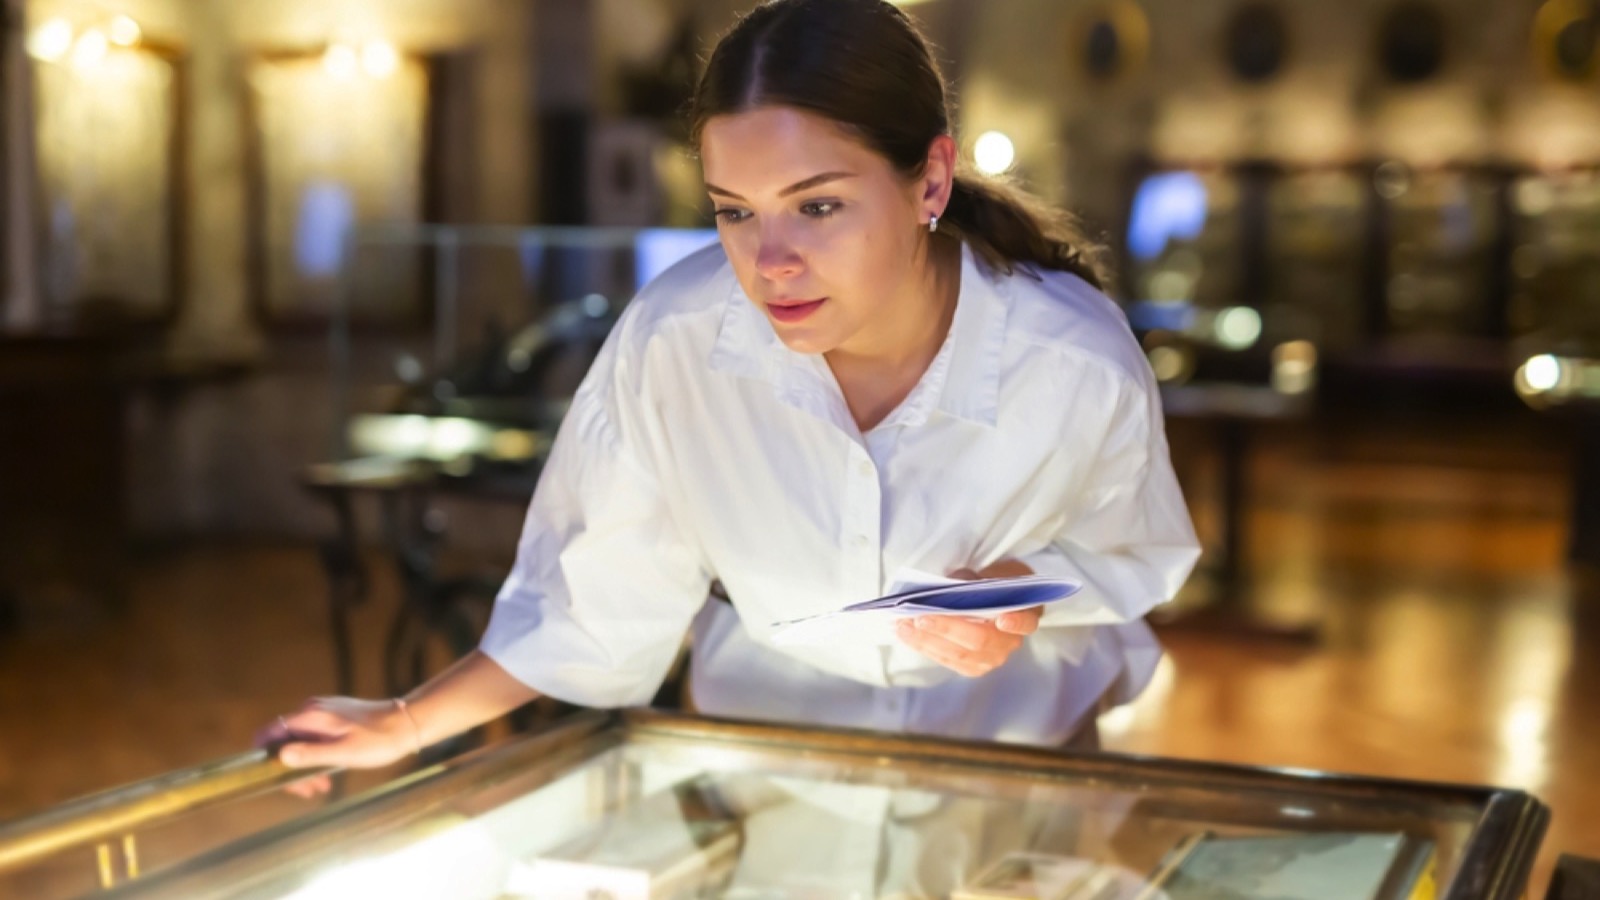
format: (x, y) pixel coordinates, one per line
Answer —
(865, 66)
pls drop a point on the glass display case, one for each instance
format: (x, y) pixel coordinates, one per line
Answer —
(1555, 260)
(644, 804)
(1316, 258)
(1443, 227)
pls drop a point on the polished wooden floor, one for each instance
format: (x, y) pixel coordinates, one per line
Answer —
(1457, 645)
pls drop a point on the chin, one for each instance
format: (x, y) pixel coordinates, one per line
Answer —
(805, 342)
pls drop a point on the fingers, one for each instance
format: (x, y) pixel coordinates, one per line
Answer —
(964, 660)
(965, 575)
(307, 788)
(305, 755)
(1023, 621)
(271, 736)
(968, 634)
(957, 659)
(315, 721)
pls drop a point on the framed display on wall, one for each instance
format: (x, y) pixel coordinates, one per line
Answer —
(1112, 41)
(110, 138)
(1256, 42)
(1566, 39)
(1411, 42)
(338, 138)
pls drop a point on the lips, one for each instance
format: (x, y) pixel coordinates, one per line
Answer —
(793, 310)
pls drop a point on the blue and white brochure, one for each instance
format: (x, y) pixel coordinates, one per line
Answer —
(918, 594)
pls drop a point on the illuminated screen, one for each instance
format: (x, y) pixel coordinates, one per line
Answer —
(1167, 206)
(656, 249)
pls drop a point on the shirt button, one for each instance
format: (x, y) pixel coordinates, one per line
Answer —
(865, 468)
(859, 540)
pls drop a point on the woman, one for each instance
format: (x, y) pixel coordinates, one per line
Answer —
(886, 363)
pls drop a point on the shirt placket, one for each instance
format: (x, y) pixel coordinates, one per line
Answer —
(863, 542)
(861, 527)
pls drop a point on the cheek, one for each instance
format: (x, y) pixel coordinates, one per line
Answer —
(741, 254)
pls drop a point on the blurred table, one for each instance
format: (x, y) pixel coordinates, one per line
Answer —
(451, 607)
(1233, 411)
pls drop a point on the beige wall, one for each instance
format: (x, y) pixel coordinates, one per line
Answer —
(218, 38)
(1328, 105)
(217, 455)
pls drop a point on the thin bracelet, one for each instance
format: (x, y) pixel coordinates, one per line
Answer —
(416, 729)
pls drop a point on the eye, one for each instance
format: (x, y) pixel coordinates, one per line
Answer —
(731, 215)
(820, 209)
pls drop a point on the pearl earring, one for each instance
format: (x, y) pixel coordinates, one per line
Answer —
(933, 224)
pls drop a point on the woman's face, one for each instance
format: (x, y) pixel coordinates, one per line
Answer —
(824, 235)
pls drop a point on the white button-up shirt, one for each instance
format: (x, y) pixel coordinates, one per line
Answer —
(700, 447)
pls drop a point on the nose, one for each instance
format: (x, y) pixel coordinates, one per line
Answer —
(776, 258)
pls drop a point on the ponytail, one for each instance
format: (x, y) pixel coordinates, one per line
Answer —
(1007, 226)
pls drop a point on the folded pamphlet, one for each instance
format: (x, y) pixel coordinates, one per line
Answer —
(916, 594)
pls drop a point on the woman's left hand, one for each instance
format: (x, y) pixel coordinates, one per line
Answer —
(973, 647)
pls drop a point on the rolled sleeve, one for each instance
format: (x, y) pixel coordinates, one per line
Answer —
(1131, 544)
(605, 586)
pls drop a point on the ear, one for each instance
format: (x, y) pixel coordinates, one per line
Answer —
(938, 176)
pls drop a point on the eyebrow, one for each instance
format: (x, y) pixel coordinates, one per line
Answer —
(795, 188)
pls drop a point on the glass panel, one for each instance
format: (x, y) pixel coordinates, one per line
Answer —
(1316, 225)
(668, 816)
(1555, 260)
(1183, 240)
(1442, 227)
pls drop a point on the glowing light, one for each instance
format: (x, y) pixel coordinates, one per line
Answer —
(50, 41)
(1168, 363)
(1541, 373)
(515, 444)
(1168, 206)
(380, 59)
(125, 32)
(1170, 286)
(340, 61)
(1294, 367)
(1238, 327)
(1534, 197)
(1391, 179)
(1522, 744)
(90, 48)
(993, 152)
(463, 861)
(455, 437)
(1125, 721)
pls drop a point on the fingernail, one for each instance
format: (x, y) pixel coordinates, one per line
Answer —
(289, 757)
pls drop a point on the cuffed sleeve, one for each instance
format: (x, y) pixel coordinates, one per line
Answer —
(1131, 542)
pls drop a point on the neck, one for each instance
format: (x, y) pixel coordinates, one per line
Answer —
(915, 322)
(876, 371)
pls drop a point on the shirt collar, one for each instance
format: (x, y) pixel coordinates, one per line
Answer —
(962, 381)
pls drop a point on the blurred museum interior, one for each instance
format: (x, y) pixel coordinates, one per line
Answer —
(294, 294)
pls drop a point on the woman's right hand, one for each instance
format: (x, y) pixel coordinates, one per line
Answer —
(341, 732)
